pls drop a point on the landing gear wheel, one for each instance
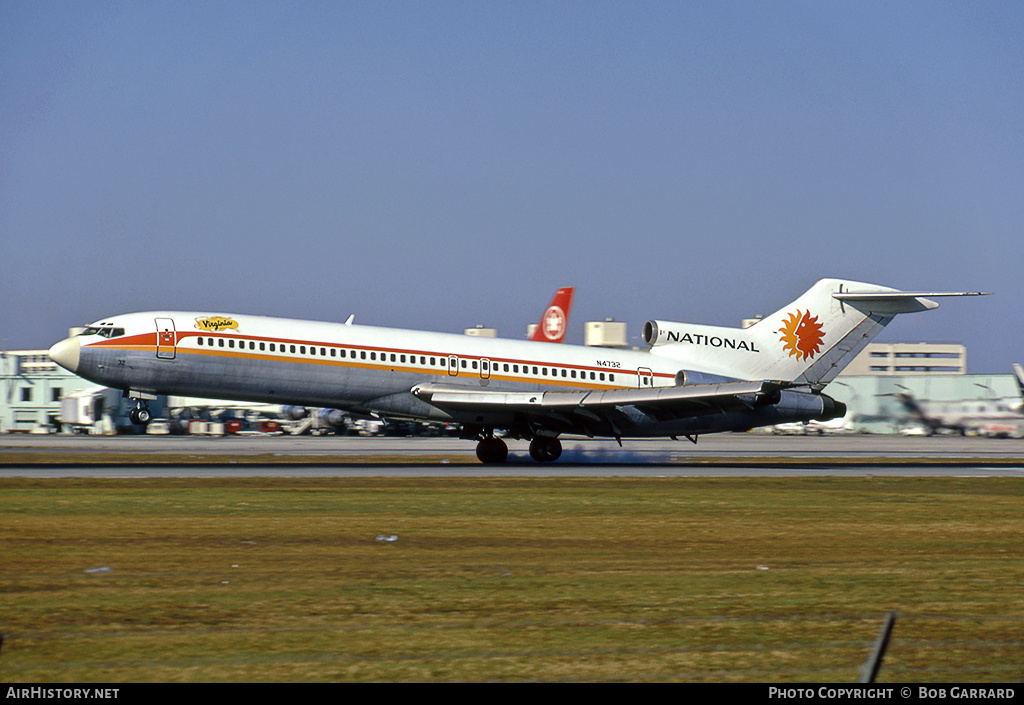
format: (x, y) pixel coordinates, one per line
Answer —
(545, 449)
(139, 416)
(491, 451)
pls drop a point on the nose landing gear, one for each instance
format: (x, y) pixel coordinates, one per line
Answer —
(140, 414)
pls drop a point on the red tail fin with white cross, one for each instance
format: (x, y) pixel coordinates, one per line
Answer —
(555, 321)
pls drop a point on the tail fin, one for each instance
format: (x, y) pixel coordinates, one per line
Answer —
(808, 342)
(555, 320)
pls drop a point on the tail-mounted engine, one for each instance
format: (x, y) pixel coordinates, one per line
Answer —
(657, 332)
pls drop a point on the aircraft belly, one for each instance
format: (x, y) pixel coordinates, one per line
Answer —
(267, 381)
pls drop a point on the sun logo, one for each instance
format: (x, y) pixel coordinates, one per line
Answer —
(801, 335)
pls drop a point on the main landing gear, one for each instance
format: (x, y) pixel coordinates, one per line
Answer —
(545, 449)
(492, 450)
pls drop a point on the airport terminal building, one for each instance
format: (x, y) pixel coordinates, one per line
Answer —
(33, 386)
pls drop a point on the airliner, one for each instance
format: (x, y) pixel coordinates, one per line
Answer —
(692, 380)
(992, 416)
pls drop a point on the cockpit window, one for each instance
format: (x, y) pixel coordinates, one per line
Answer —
(105, 331)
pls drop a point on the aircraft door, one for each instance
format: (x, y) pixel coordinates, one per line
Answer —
(645, 378)
(453, 366)
(166, 339)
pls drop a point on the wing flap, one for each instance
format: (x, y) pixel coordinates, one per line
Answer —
(449, 396)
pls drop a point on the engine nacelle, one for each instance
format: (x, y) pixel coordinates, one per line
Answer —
(703, 338)
(294, 412)
(686, 378)
(332, 417)
(654, 332)
(667, 332)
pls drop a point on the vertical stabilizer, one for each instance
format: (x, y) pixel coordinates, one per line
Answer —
(808, 342)
(555, 320)
(816, 336)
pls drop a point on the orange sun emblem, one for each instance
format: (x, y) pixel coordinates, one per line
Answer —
(801, 335)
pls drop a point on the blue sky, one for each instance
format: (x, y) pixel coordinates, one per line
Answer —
(439, 165)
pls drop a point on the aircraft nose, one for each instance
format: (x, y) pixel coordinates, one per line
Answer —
(66, 352)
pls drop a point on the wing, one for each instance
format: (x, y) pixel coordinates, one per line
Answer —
(603, 412)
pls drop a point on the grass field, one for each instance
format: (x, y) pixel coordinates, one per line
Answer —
(739, 579)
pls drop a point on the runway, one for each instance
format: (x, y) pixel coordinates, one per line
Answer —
(723, 455)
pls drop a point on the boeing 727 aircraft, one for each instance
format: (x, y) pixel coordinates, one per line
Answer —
(694, 379)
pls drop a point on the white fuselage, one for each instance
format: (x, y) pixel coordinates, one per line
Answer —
(276, 360)
(372, 370)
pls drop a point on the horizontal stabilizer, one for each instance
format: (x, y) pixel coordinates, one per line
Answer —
(893, 302)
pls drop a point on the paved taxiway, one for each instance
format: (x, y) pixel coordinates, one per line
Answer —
(334, 456)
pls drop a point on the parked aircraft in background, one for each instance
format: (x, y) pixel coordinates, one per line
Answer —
(695, 379)
(554, 322)
(991, 416)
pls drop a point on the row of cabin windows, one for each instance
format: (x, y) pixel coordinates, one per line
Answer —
(400, 357)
